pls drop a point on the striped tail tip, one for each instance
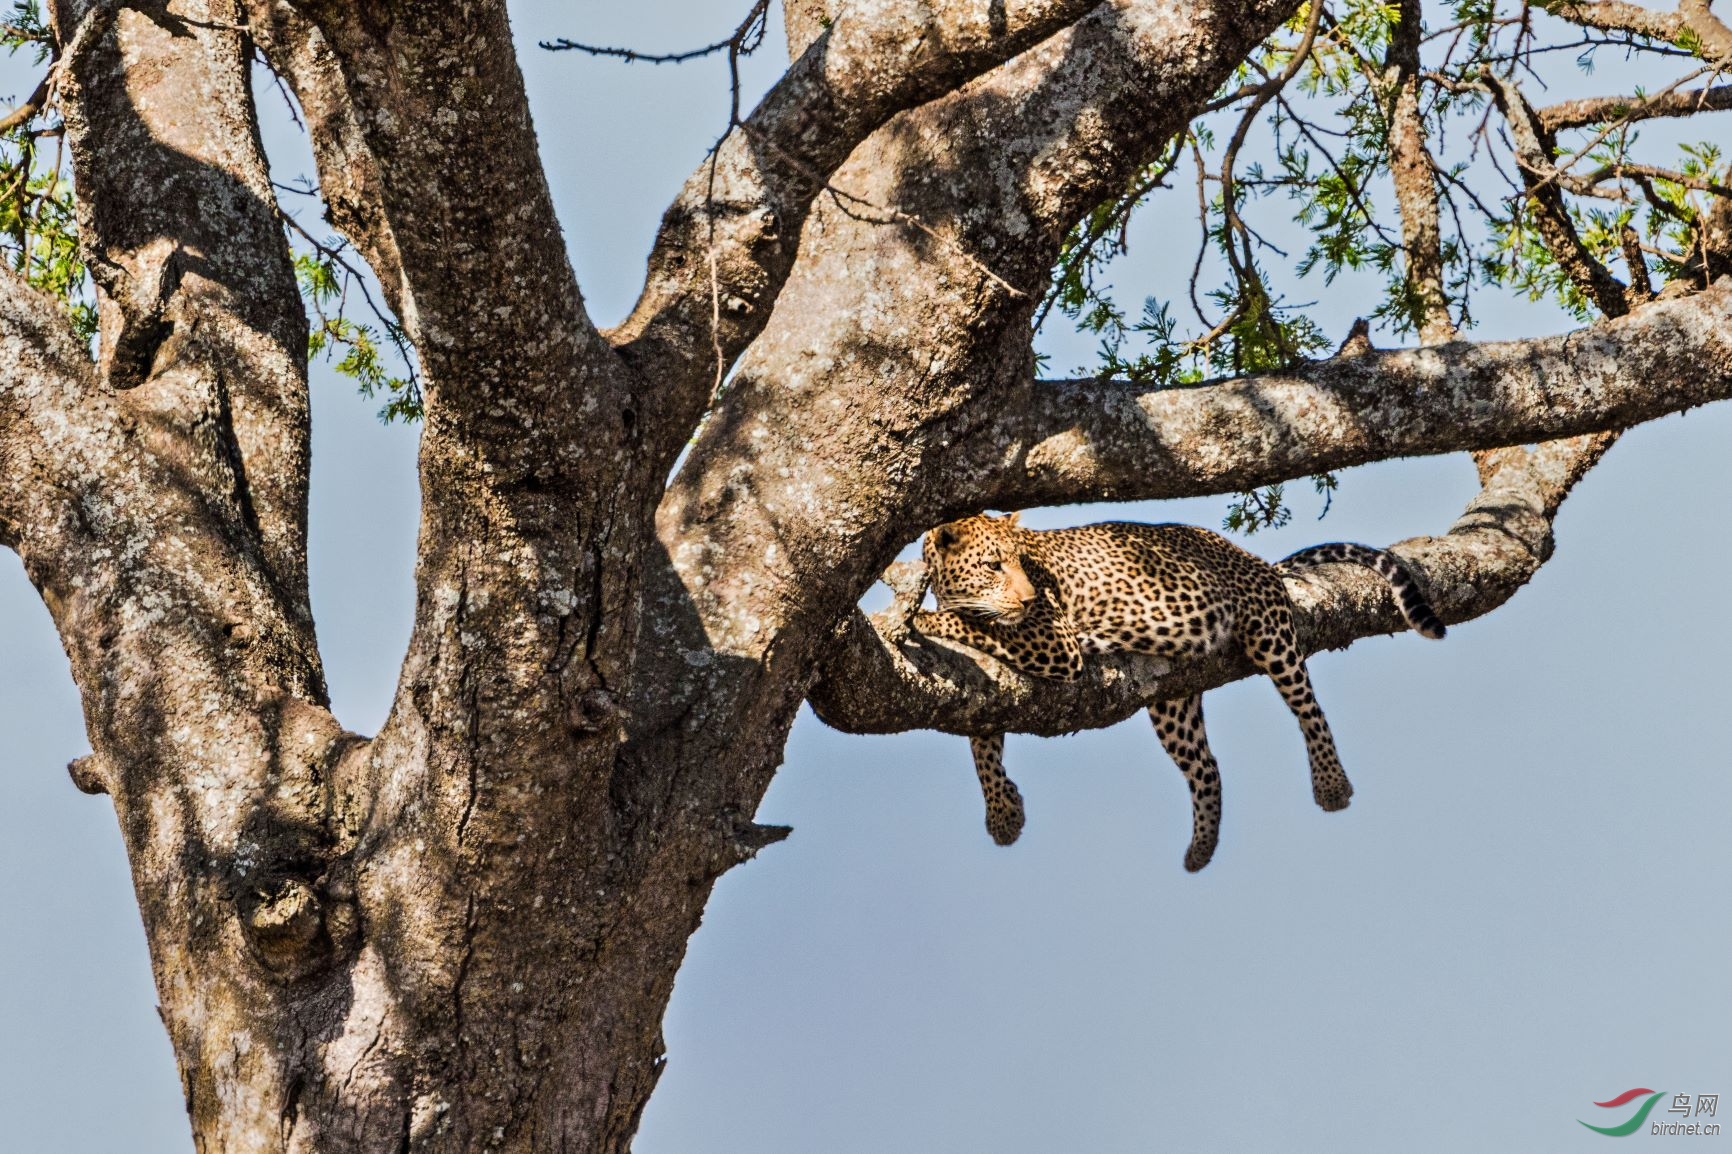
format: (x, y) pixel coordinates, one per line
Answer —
(1417, 612)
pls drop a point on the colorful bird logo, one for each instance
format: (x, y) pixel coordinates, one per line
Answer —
(1635, 1122)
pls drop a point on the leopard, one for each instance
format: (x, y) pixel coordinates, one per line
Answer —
(1043, 601)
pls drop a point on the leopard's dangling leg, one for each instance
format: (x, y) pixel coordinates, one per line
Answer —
(1004, 814)
(1274, 649)
(1179, 725)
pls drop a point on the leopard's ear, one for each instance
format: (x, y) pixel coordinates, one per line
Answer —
(1014, 520)
(945, 536)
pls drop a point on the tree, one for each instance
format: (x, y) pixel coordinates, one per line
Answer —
(642, 549)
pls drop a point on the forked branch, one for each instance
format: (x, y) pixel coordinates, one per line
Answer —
(728, 242)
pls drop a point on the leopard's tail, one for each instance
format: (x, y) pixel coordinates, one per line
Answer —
(1414, 607)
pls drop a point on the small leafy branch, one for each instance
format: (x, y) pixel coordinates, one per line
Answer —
(327, 277)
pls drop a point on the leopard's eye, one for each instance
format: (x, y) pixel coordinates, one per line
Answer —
(995, 566)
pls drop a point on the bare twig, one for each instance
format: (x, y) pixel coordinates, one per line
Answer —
(1116, 221)
(1614, 126)
(1234, 232)
(750, 30)
(1586, 185)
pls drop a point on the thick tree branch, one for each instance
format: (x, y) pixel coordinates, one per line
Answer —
(45, 376)
(421, 127)
(350, 179)
(461, 935)
(880, 680)
(163, 517)
(200, 313)
(728, 241)
(1617, 16)
(499, 762)
(805, 20)
(422, 130)
(1077, 119)
(1106, 440)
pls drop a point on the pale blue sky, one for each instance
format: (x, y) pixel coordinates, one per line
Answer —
(1526, 908)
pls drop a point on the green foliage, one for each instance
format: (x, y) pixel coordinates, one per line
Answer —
(38, 221)
(25, 27)
(39, 235)
(1257, 509)
(1076, 292)
(1675, 225)
(355, 349)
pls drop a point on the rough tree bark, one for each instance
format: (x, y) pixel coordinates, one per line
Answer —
(461, 933)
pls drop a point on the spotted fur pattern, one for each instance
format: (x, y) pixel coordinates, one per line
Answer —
(1041, 600)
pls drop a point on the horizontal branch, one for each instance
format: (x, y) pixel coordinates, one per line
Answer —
(879, 680)
(1594, 110)
(1092, 440)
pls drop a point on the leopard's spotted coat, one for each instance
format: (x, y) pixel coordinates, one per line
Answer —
(1041, 600)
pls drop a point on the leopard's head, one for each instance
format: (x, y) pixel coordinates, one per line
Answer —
(975, 567)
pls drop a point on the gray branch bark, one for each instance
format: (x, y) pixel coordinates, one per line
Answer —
(1692, 17)
(1073, 440)
(1410, 168)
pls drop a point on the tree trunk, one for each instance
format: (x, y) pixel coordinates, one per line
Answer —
(462, 933)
